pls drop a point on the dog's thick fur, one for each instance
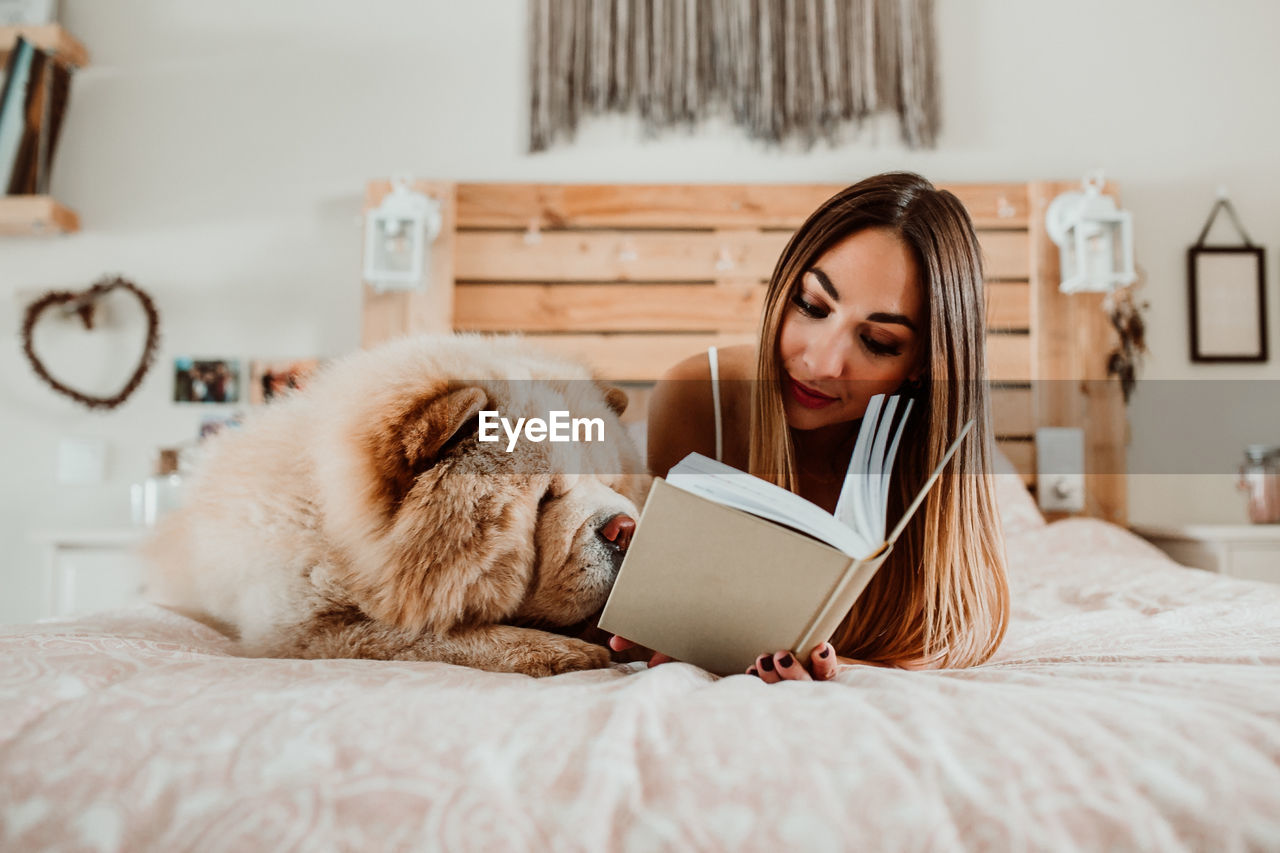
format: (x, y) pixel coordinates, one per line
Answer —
(362, 517)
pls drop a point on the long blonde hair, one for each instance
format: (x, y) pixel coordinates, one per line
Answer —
(942, 596)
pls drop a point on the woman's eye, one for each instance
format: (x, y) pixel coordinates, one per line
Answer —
(807, 308)
(879, 347)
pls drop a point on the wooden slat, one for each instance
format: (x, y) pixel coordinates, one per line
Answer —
(1057, 403)
(1023, 456)
(638, 205)
(616, 255)
(1009, 358)
(1013, 411)
(722, 306)
(51, 37)
(783, 206)
(1005, 255)
(993, 205)
(1008, 306)
(635, 358)
(663, 255)
(35, 215)
(623, 307)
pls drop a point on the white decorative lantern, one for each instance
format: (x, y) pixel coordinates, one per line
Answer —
(397, 238)
(1094, 237)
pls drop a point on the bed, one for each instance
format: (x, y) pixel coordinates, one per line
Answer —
(1134, 704)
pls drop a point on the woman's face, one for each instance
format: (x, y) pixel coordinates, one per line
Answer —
(853, 328)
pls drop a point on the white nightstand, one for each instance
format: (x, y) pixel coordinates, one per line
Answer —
(88, 570)
(1240, 550)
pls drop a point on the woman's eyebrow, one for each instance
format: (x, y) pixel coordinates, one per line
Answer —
(885, 317)
(826, 283)
(877, 317)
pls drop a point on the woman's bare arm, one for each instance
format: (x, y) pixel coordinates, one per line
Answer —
(681, 415)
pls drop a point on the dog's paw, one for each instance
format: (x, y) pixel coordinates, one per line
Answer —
(563, 654)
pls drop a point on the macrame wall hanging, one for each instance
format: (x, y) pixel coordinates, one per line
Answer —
(781, 69)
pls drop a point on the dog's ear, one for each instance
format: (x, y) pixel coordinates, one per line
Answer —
(410, 444)
(614, 397)
(443, 420)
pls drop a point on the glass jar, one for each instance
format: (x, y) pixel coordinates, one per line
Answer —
(1260, 479)
(160, 493)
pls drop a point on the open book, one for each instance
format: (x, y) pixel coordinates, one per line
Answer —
(725, 566)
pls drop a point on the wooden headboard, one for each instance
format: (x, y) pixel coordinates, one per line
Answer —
(632, 278)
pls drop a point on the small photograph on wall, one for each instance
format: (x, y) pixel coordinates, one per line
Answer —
(206, 380)
(271, 380)
(211, 425)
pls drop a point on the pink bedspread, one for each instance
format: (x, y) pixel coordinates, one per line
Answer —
(1134, 705)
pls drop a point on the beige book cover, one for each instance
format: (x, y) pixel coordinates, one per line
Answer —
(716, 586)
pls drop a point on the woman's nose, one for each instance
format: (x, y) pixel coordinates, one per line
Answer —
(827, 356)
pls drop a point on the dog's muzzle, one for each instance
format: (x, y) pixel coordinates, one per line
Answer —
(616, 534)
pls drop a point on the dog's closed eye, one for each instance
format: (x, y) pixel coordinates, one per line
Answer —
(468, 429)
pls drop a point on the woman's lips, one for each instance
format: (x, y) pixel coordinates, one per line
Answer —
(807, 397)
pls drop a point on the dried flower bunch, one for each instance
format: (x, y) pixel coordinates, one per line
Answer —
(1126, 318)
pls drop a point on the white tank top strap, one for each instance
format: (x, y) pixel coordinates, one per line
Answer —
(715, 399)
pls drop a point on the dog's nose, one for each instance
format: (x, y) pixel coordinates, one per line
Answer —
(617, 531)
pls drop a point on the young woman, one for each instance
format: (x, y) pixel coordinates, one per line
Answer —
(879, 291)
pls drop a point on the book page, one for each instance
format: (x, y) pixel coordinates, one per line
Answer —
(864, 497)
(724, 484)
(928, 484)
(858, 525)
(851, 506)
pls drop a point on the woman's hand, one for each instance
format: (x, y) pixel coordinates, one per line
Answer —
(621, 644)
(783, 666)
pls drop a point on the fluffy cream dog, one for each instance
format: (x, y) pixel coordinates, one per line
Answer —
(364, 517)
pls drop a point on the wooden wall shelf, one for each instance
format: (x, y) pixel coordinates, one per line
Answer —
(38, 215)
(48, 36)
(35, 216)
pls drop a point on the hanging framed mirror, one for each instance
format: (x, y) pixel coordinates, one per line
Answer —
(1227, 297)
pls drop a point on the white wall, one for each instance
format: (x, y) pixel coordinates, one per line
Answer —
(217, 153)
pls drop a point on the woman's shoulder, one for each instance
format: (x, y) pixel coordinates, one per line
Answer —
(734, 363)
(691, 369)
(738, 363)
(681, 414)
(682, 405)
(688, 382)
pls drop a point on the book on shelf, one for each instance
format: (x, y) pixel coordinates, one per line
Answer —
(27, 13)
(33, 103)
(725, 566)
(17, 76)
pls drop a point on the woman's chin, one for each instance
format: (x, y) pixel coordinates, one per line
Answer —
(801, 418)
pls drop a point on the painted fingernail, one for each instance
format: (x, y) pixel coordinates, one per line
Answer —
(766, 664)
(825, 651)
(785, 662)
(752, 671)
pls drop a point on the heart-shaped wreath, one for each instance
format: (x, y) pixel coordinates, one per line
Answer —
(83, 303)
